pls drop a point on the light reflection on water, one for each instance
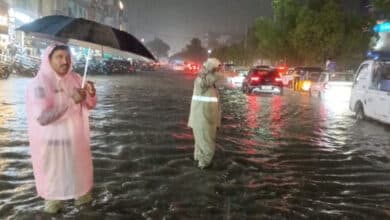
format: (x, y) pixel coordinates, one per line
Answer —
(288, 157)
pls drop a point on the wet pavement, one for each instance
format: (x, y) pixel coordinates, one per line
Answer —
(288, 157)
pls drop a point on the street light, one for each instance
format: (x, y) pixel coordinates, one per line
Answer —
(120, 5)
(120, 14)
(209, 51)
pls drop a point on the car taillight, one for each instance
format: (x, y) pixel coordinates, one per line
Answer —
(278, 79)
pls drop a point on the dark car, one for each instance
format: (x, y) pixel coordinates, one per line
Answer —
(263, 80)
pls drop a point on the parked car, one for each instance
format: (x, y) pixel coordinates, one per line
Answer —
(370, 94)
(335, 86)
(263, 80)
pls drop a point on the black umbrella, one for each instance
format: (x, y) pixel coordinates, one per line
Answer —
(64, 27)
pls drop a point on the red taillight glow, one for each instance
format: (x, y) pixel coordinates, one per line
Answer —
(278, 79)
(255, 78)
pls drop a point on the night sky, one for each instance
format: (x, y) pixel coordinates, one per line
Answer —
(177, 21)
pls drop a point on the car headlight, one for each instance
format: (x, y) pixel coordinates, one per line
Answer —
(306, 86)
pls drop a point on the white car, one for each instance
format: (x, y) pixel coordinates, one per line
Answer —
(370, 95)
(236, 81)
(288, 78)
(333, 86)
(178, 67)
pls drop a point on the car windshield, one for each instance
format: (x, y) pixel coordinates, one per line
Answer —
(242, 72)
(314, 76)
(341, 77)
(263, 72)
(228, 67)
(312, 69)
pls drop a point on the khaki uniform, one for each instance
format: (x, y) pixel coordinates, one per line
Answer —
(205, 117)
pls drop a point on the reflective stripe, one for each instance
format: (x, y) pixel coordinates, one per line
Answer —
(204, 98)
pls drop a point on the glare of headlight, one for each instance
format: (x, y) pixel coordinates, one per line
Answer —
(306, 86)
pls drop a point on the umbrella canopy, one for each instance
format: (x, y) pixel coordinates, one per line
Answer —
(63, 27)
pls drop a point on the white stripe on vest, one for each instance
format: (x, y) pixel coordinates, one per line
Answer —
(204, 98)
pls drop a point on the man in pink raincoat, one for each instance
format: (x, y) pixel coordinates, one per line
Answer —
(58, 128)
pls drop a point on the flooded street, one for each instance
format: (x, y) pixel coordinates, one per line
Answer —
(287, 157)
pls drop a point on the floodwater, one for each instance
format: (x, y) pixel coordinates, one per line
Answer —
(288, 157)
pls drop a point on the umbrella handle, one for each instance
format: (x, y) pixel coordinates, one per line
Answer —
(86, 68)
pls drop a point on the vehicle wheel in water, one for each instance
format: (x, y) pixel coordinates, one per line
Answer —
(359, 113)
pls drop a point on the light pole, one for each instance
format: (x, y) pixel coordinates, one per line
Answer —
(120, 4)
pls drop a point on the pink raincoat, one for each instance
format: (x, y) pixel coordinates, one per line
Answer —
(58, 132)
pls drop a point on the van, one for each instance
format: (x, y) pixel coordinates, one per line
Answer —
(370, 94)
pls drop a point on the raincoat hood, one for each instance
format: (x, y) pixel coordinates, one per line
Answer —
(46, 72)
(210, 64)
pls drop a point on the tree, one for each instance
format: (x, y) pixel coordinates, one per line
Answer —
(332, 29)
(285, 13)
(307, 32)
(274, 35)
(306, 37)
(193, 52)
(242, 53)
(158, 47)
(355, 42)
(316, 5)
(383, 6)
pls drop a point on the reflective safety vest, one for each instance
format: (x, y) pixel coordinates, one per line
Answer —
(204, 98)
